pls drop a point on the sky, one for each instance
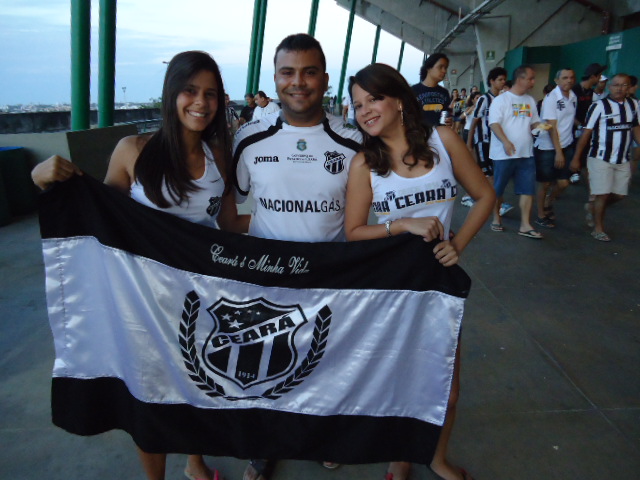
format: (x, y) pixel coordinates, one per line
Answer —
(35, 45)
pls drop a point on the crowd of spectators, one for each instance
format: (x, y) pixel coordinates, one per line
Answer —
(587, 127)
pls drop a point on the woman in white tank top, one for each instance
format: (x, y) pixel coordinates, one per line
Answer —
(185, 169)
(408, 174)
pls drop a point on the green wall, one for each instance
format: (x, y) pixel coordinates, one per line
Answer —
(580, 54)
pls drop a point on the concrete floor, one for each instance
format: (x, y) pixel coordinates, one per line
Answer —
(551, 362)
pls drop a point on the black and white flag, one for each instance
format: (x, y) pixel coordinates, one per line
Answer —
(195, 340)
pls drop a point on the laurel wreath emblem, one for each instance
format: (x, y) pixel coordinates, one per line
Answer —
(186, 337)
(188, 347)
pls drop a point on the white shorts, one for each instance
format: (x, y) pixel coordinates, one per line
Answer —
(606, 178)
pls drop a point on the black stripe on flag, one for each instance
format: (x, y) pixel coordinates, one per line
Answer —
(90, 407)
(96, 210)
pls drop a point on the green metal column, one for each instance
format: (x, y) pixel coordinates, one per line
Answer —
(314, 17)
(107, 63)
(401, 55)
(80, 64)
(252, 51)
(259, 44)
(375, 44)
(347, 46)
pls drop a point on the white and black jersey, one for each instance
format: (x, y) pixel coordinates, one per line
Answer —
(297, 175)
(612, 125)
(482, 132)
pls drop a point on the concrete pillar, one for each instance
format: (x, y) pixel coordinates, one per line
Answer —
(401, 55)
(107, 63)
(252, 48)
(259, 44)
(347, 46)
(80, 64)
(375, 44)
(313, 18)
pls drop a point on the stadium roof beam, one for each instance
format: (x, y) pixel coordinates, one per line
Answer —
(467, 21)
(404, 21)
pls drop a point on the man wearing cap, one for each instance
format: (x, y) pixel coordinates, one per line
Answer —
(584, 95)
(599, 90)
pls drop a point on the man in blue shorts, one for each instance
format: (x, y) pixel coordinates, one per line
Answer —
(512, 116)
(554, 148)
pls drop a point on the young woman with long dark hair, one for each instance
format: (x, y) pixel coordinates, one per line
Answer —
(402, 154)
(185, 168)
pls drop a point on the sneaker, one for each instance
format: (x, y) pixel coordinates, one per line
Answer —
(544, 222)
(467, 201)
(504, 208)
(575, 178)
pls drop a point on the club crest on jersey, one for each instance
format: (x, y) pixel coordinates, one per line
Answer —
(301, 145)
(334, 162)
(251, 351)
(214, 206)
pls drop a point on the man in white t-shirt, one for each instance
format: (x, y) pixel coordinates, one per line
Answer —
(554, 148)
(296, 164)
(264, 106)
(348, 113)
(512, 116)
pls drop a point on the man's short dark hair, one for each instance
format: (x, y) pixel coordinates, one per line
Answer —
(633, 80)
(430, 62)
(248, 94)
(521, 71)
(261, 93)
(300, 42)
(495, 73)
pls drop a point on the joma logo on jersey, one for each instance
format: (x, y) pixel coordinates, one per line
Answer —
(265, 159)
(252, 342)
(334, 162)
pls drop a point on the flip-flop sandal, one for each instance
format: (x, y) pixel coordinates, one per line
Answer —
(263, 468)
(215, 475)
(497, 227)
(465, 474)
(531, 234)
(601, 236)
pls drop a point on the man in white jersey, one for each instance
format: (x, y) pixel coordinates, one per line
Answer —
(296, 163)
(610, 124)
(264, 106)
(480, 134)
(512, 116)
(554, 147)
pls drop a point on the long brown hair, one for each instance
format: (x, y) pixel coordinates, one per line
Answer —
(381, 80)
(161, 161)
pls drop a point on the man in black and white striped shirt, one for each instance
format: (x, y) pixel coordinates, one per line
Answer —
(610, 124)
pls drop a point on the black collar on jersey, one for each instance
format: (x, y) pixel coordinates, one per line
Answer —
(284, 120)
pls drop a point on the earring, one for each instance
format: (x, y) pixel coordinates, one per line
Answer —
(402, 117)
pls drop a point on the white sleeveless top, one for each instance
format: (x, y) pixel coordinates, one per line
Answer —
(430, 195)
(203, 205)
